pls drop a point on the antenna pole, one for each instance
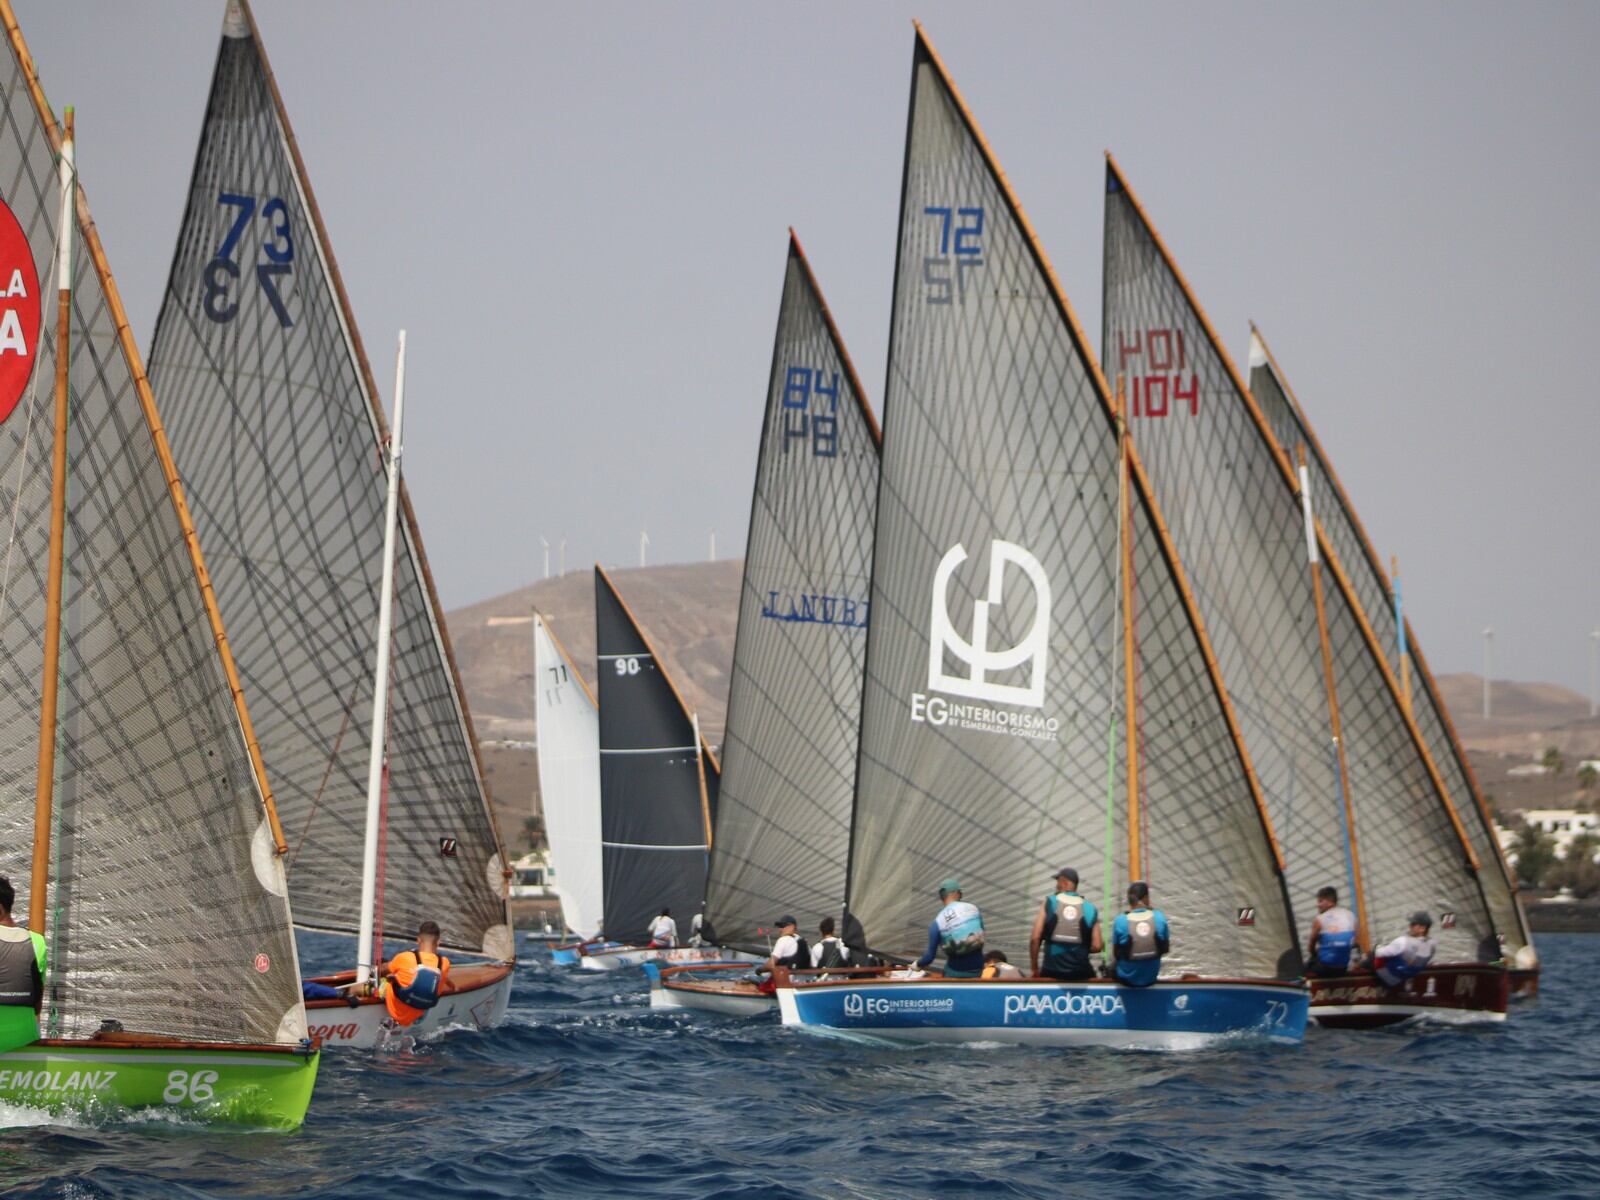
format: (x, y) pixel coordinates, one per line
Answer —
(1352, 850)
(44, 791)
(380, 689)
(644, 540)
(1594, 673)
(1130, 695)
(1400, 632)
(1488, 670)
(543, 542)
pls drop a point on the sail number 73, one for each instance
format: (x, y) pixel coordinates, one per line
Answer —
(221, 300)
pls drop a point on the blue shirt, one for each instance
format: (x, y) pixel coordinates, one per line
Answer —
(972, 962)
(1071, 960)
(1143, 973)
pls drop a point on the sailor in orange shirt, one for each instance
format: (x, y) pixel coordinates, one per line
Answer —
(415, 979)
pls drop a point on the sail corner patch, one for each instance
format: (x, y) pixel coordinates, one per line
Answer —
(264, 859)
(499, 943)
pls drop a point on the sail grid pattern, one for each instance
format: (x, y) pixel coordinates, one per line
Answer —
(1238, 530)
(569, 780)
(794, 709)
(1371, 586)
(156, 805)
(653, 812)
(994, 659)
(279, 448)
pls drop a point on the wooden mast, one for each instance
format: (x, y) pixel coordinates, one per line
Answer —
(1352, 848)
(1130, 697)
(44, 793)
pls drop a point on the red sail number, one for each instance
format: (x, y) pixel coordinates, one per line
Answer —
(19, 311)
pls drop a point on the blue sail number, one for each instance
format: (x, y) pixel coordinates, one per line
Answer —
(944, 274)
(802, 385)
(277, 248)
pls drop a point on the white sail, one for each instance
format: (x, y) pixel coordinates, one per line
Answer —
(569, 779)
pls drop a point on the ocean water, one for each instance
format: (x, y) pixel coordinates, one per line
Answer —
(587, 1092)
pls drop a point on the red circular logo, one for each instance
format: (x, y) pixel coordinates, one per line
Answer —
(263, 963)
(19, 311)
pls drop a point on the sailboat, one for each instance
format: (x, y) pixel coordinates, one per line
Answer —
(1039, 686)
(277, 428)
(1354, 792)
(156, 876)
(1380, 599)
(782, 836)
(568, 722)
(658, 794)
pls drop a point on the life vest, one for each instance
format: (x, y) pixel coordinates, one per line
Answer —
(427, 984)
(1413, 959)
(1065, 925)
(960, 928)
(1001, 970)
(1336, 937)
(19, 960)
(800, 960)
(1144, 943)
(833, 954)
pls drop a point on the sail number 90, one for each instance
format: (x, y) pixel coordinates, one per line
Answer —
(627, 666)
(277, 251)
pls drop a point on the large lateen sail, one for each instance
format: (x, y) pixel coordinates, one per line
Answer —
(1370, 582)
(277, 430)
(1229, 493)
(991, 742)
(657, 780)
(569, 778)
(166, 903)
(794, 703)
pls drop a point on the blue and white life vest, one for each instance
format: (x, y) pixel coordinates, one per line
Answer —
(1336, 937)
(1404, 958)
(425, 986)
(960, 928)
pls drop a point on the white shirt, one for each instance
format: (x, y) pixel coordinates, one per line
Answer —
(664, 931)
(1409, 949)
(786, 947)
(816, 951)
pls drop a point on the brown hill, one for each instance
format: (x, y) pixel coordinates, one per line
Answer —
(1527, 717)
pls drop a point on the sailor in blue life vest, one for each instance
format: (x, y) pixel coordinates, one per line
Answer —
(1139, 937)
(1068, 926)
(1408, 955)
(23, 958)
(958, 932)
(1333, 936)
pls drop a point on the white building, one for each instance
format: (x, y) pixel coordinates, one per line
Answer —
(1562, 824)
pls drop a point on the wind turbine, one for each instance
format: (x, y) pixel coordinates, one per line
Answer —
(644, 541)
(1488, 667)
(546, 546)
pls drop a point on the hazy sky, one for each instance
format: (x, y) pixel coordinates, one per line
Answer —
(578, 213)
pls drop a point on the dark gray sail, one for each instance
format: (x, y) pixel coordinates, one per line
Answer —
(794, 703)
(1236, 520)
(991, 742)
(657, 783)
(167, 908)
(276, 427)
(1283, 414)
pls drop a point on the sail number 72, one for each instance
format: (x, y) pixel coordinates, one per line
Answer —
(277, 253)
(944, 274)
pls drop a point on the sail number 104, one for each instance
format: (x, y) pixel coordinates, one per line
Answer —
(222, 273)
(1156, 365)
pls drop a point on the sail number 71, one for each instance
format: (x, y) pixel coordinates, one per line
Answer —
(277, 253)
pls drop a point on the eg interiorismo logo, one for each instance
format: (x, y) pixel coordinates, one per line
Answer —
(1022, 666)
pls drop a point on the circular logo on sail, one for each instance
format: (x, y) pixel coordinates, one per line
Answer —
(263, 964)
(19, 311)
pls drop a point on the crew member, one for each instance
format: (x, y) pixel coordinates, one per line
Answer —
(23, 957)
(790, 950)
(1069, 926)
(1139, 937)
(829, 950)
(1408, 955)
(958, 932)
(1333, 936)
(995, 966)
(663, 931)
(415, 979)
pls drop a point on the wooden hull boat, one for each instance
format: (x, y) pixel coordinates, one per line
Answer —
(711, 987)
(479, 995)
(1449, 994)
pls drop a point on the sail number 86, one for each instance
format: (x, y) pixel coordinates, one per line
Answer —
(221, 303)
(184, 1087)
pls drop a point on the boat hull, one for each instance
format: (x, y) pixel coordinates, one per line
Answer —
(1173, 1015)
(255, 1086)
(624, 957)
(1524, 983)
(706, 992)
(479, 1002)
(1450, 994)
(568, 954)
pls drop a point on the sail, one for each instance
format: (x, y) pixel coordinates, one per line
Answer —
(276, 426)
(1370, 583)
(994, 658)
(166, 900)
(655, 804)
(794, 702)
(569, 778)
(1235, 518)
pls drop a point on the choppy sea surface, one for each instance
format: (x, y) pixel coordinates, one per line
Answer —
(587, 1092)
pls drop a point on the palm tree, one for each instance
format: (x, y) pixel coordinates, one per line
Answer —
(1555, 764)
